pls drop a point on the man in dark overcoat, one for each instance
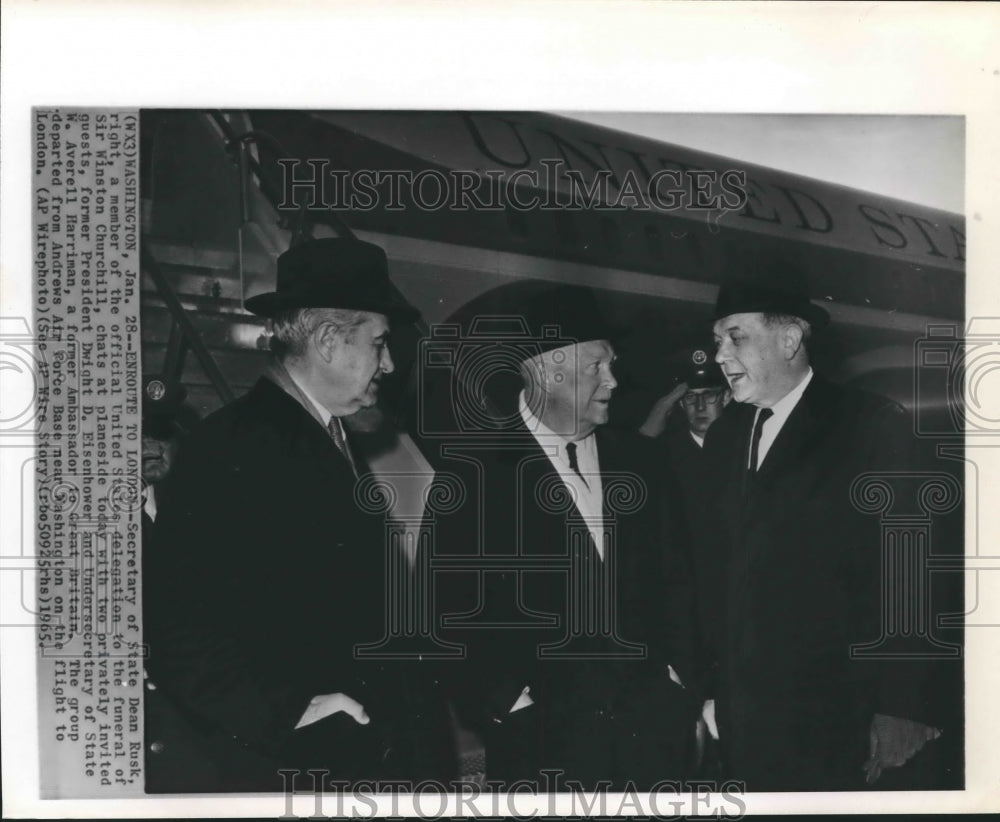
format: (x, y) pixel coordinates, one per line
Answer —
(269, 572)
(562, 583)
(798, 707)
(702, 396)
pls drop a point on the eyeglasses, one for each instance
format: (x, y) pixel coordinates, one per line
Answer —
(708, 397)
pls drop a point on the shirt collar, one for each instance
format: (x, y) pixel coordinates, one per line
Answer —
(783, 407)
(542, 432)
(284, 378)
(699, 441)
(535, 425)
(320, 408)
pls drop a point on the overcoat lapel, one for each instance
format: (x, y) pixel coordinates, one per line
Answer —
(311, 439)
(801, 432)
(804, 425)
(532, 465)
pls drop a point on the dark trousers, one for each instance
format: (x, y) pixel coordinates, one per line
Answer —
(787, 747)
(642, 737)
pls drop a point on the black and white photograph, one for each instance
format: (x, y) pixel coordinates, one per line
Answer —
(627, 458)
(504, 314)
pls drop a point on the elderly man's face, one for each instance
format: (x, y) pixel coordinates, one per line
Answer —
(752, 357)
(354, 365)
(578, 385)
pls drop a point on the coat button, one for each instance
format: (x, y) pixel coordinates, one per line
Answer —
(157, 747)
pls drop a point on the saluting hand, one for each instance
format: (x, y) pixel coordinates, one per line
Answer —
(657, 419)
(324, 705)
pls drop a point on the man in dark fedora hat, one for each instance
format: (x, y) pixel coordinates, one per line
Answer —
(798, 708)
(562, 587)
(271, 573)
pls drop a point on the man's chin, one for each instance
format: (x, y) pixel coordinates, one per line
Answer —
(599, 415)
(740, 394)
(157, 474)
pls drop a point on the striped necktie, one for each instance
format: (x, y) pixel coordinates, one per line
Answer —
(337, 435)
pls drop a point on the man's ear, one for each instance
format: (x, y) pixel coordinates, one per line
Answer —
(792, 340)
(325, 340)
(727, 395)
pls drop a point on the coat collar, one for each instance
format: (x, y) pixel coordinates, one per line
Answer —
(278, 374)
(288, 407)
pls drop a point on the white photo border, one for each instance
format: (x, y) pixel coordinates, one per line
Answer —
(857, 58)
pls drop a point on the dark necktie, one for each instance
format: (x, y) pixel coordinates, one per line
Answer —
(764, 415)
(337, 435)
(571, 451)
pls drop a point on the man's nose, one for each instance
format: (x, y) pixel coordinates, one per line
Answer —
(721, 353)
(386, 364)
(609, 380)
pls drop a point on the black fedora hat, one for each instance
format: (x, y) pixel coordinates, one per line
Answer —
(560, 315)
(334, 272)
(768, 286)
(549, 315)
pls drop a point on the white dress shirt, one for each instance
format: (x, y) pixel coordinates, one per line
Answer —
(149, 502)
(780, 411)
(587, 491)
